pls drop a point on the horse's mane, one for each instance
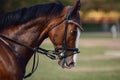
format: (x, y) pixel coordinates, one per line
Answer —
(25, 14)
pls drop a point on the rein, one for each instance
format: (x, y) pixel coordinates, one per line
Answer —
(52, 54)
(48, 53)
(36, 49)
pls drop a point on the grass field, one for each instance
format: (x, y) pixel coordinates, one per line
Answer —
(93, 63)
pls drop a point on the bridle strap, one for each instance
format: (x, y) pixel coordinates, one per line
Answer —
(78, 25)
(3, 38)
(36, 49)
(35, 64)
(16, 42)
(66, 28)
(54, 26)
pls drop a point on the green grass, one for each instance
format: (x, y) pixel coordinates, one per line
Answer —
(92, 64)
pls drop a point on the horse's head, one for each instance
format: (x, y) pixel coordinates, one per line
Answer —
(65, 35)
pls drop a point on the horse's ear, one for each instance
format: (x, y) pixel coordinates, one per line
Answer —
(76, 7)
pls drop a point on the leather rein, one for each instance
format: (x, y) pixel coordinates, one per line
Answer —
(52, 54)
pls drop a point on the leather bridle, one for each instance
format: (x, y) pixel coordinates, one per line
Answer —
(52, 54)
(67, 20)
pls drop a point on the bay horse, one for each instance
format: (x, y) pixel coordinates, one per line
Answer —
(23, 30)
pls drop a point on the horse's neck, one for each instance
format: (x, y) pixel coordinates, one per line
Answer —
(30, 34)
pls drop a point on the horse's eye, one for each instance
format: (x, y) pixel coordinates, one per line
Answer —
(73, 32)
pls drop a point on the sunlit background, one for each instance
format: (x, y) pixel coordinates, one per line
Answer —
(99, 43)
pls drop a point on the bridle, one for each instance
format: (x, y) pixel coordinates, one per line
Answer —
(67, 20)
(52, 54)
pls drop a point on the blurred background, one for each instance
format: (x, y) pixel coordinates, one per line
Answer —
(99, 43)
(96, 15)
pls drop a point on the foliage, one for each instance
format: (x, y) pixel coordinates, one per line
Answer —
(8, 5)
(101, 4)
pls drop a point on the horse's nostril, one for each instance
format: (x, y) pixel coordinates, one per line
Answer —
(72, 64)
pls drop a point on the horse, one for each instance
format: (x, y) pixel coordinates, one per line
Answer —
(23, 30)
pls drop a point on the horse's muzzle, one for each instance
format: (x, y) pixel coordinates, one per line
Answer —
(66, 62)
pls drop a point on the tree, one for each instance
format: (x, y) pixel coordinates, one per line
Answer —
(8, 5)
(106, 5)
